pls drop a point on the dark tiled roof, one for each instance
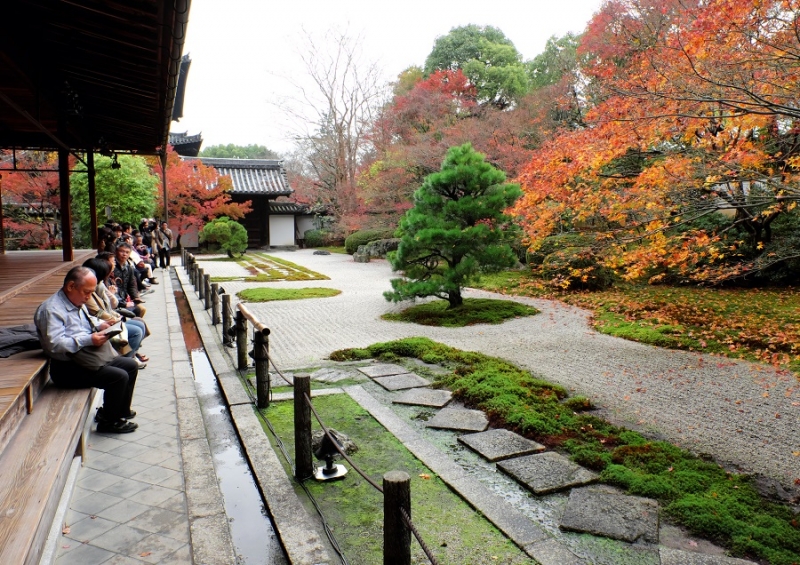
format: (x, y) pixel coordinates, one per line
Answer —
(287, 208)
(252, 176)
(181, 138)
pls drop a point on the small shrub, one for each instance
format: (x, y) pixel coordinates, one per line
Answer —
(226, 234)
(555, 243)
(317, 238)
(576, 268)
(363, 237)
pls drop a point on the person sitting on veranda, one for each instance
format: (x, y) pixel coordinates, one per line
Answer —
(64, 330)
(103, 304)
(125, 280)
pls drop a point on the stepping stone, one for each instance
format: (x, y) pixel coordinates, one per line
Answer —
(496, 445)
(382, 370)
(605, 512)
(547, 472)
(400, 382)
(679, 557)
(331, 375)
(459, 419)
(425, 397)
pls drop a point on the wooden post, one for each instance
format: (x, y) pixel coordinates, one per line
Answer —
(261, 355)
(200, 285)
(207, 290)
(241, 341)
(303, 462)
(396, 535)
(66, 218)
(193, 275)
(90, 173)
(215, 304)
(226, 319)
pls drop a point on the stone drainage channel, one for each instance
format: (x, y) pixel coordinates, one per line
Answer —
(252, 532)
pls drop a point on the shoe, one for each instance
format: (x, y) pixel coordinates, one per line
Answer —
(101, 417)
(153, 280)
(118, 427)
(142, 358)
(140, 364)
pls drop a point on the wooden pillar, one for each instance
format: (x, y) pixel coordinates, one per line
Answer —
(241, 342)
(227, 323)
(396, 535)
(261, 355)
(215, 303)
(92, 197)
(303, 463)
(66, 215)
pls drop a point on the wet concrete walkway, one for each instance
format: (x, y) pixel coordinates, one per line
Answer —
(151, 496)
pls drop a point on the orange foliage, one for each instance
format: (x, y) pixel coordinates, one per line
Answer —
(696, 111)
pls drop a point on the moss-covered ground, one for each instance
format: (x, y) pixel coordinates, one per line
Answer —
(472, 311)
(710, 502)
(270, 294)
(267, 268)
(746, 323)
(354, 509)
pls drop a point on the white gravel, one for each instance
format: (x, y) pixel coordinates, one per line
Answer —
(745, 415)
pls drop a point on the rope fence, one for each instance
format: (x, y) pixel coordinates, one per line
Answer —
(398, 527)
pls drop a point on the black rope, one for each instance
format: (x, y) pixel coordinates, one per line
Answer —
(410, 525)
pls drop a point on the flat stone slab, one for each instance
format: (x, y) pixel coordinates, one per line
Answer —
(425, 397)
(547, 472)
(496, 445)
(604, 512)
(402, 382)
(671, 556)
(331, 375)
(382, 370)
(459, 419)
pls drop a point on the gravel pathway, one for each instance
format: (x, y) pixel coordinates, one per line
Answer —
(745, 415)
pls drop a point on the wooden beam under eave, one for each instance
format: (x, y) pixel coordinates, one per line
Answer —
(66, 216)
(92, 198)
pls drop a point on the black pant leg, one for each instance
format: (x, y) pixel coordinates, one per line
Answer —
(116, 379)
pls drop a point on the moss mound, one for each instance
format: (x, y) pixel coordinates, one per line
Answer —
(472, 311)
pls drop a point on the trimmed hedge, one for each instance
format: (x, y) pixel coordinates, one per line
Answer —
(363, 237)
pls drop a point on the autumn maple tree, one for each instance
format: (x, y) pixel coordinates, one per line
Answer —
(196, 193)
(31, 202)
(685, 168)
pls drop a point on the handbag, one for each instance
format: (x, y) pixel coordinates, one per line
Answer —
(121, 339)
(95, 357)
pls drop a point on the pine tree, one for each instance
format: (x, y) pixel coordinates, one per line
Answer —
(457, 229)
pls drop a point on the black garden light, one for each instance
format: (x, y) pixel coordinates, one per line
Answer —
(327, 451)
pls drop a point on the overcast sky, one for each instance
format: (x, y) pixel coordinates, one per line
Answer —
(245, 53)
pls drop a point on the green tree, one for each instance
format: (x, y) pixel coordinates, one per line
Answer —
(231, 151)
(558, 59)
(487, 57)
(457, 229)
(130, 191)
(229, 235)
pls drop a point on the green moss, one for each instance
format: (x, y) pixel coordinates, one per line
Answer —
(270, 294)
(472, 311)
(453, 530)
(699, 494)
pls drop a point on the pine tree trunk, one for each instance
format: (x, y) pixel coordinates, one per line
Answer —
(454, 298)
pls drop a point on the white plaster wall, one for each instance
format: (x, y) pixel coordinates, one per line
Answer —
(305, 223)
(281, 230)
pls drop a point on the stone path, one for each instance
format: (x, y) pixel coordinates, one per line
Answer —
(744, 414)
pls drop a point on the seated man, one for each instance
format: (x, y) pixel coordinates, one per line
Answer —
(125, 279)
(64, 329)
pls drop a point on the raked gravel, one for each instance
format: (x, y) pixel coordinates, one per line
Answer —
(745, 415)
